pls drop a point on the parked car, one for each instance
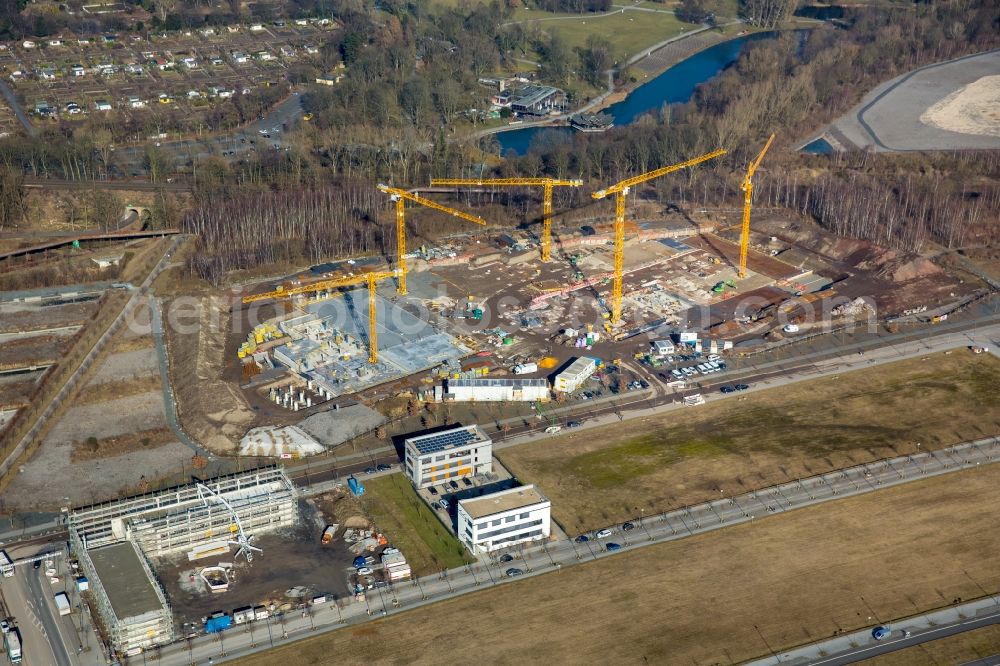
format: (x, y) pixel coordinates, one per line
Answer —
(466, 481)
(727, 389)
(383, 467)
(572, 424)
(714, 357)
(553, 429)
(369, 470)
(432, 490)
(611, 546)
(583, 538)
(360, 561)
(741, 387)
(506, 557)
(453, 484)
(365, 571)
(443, 503)
(603, 534)
(627, 526)
(37, 564)
(513, 571)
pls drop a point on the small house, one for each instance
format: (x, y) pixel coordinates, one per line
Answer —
(102, 105)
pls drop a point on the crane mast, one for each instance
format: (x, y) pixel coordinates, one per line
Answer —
(619, 190)
(747, 188)
(400, 197)
(547, 185)
(371, 279)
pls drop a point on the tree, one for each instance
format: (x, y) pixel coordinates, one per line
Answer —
(693, 11)
(595, 59)
(766, 13)
(555, 60)
(11, 196)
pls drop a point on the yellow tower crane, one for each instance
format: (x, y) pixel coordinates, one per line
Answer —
(546, 183)
(620, 190)
(747, 187)
(401, 197)
(370, 278)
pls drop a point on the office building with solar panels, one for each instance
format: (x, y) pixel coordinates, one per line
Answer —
(450, 454)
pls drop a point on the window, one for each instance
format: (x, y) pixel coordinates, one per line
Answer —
(496, 522)
(511, 519)
(482, 526)
(524, 516)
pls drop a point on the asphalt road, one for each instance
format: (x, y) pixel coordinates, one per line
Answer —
(536, 560)
(43, 606)
(901, 642)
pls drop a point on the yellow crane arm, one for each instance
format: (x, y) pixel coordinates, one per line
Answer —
(410, 196)
(747, 188)
(546, 183)
(322, 285)
(752, 168)
(650, 175)
(479, 182)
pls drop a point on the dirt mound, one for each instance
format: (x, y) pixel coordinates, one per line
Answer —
(919, 267)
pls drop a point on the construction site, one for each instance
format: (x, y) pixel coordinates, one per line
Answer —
(514, 307)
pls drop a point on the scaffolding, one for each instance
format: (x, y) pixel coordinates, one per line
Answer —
(113, 540)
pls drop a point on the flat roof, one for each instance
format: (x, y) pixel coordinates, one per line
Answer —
(449, 439)
(505, 500)
(530, 95)
(579, 365)
(124, 580)
(498, 382)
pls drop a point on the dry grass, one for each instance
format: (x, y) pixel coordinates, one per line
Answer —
(124, 344)
(406, 520)
(598, 477)
(97, 393)
(960, 649)
(108, 447)
(797, 577)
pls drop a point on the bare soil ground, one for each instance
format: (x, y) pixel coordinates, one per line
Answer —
(38, 349)
(607, 475)
(960, 649)
(292, 557)
(110, 447)
(127, 365)
(796, 578)
(28, 316)
(52, 473)
(196, 346)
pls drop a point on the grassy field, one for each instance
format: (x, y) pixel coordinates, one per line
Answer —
(960, 649)
(628, 33)
(602, 476)
(398, 511)
(795, 578)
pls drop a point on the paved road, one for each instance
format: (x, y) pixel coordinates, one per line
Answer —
(18, 111)
(43, 606)
(671, 526)
(169, 404)
(904, 633)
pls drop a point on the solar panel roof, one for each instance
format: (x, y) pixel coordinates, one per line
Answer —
(444, 440)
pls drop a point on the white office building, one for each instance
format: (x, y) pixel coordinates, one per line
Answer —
(450, 454)
(575, 374)
(503, 519)
(663, 347)
(497, 390)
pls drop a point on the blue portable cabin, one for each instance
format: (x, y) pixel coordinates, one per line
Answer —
(219, 623)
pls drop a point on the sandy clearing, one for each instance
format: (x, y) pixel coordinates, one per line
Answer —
(972, 109)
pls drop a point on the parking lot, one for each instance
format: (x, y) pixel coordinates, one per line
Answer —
(168, 83)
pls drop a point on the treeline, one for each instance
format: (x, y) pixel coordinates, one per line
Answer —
(578, 6)
(792, 85)
(286, 227)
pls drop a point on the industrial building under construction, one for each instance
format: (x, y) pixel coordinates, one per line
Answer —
(115, 542)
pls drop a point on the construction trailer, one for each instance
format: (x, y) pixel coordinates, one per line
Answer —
(497, 390)
(575, 374)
